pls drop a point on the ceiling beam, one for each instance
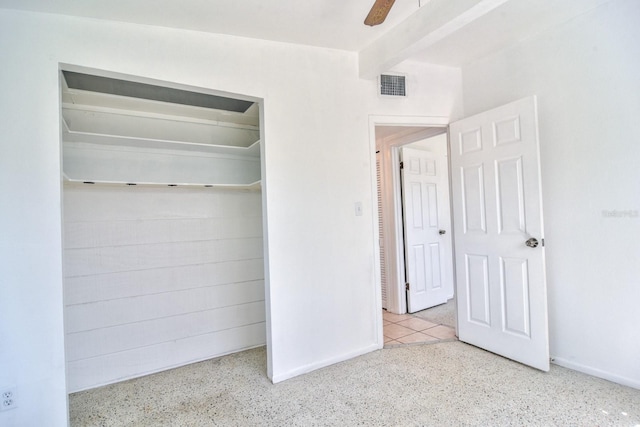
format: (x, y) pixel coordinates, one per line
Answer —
(430, 24)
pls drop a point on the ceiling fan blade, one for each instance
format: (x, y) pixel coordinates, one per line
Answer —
(379, 12)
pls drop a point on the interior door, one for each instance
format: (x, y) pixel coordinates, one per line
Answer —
(499, 246)
(424, 248)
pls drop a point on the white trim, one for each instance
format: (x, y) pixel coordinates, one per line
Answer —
(396, 226)
(377, 288)
(629, 382)
(377, 120)
(265, 236)
(326, 362)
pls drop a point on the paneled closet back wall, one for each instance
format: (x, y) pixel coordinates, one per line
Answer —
(158, 277)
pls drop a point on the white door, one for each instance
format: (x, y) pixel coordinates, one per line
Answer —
(499, 253)
(424, 244)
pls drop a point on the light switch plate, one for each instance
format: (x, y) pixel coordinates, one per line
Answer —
(358, 208)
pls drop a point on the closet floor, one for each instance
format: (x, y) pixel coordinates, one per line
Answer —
(400, 329)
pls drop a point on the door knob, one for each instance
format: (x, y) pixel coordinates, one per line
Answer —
(441, 232)
(532, 242)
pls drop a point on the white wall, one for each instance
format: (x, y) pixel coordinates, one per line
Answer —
(158, 277)
(432, 91)
(322, 298)
(585, 74)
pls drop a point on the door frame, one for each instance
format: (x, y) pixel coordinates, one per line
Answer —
(393, 232)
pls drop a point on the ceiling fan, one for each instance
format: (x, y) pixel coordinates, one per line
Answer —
(378, 12)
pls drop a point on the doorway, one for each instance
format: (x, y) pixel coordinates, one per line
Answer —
(499, 247)
(391, 138)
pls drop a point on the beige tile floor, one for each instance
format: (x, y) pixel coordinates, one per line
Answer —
(401, 329)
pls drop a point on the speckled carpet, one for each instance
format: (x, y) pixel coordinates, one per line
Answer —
(445, 384)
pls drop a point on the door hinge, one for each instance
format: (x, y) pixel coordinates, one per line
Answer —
(401, 165)
(542, 242)
(407, 286)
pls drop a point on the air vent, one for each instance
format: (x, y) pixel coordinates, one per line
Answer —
(131, 89)
(393, 85)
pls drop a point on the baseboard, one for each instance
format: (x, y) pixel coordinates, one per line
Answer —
(629, 382)
(324, 363)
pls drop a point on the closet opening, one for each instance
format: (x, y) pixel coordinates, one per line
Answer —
(163, 226)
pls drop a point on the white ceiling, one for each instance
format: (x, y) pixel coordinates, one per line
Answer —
(502, 27)
(337, 24)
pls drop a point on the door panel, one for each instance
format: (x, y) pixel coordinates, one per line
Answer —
(514, 285)
(500, 281)
(473, 199)
(419, 269)
(477, 289)
(510, 196)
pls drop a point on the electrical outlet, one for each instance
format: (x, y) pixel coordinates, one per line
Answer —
(8, 398)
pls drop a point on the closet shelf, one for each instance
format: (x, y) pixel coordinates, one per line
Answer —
(254, 186)
(127, 141)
